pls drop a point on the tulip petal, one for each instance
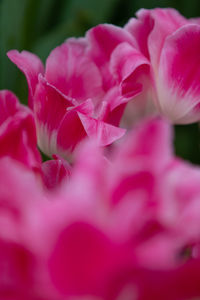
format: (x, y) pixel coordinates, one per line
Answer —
(9, 105)
(55, 172)
(31, 66)
(152, 28)
(17, 131)
(178, 83)
(102, 41)
(130, 67)
(72, 72)
(50, 107)
(103, 132)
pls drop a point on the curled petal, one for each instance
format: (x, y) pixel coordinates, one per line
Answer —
(130, 67)
(31, 66)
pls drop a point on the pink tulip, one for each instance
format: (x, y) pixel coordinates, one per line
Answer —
(77, 91)
(171, 45)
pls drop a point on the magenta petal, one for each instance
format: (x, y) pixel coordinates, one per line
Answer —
(102, 132)
(31, 66)
(55, 172)
(82, 260)
(178, 77)
(17, 131)
(70, 133)
(9, 105)
(18, 140)
(50, 107)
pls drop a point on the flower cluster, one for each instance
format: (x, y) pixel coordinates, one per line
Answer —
(114, 214)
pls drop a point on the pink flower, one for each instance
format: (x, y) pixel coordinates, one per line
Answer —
(171, 45)
(77, 95)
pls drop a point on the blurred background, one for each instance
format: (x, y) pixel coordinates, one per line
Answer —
(41, 25)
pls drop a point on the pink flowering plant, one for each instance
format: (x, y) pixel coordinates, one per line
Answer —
(99, 199)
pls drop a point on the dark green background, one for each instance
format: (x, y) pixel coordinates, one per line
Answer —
(40, 25)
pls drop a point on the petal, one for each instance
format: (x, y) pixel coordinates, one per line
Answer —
(150, 140)
(102, 132)
(18, 140)
(50, 107)
(31, 66)
(55, 172)
(129, 67)
(152, 28)
(102, 40)
(83, 259)
(9, 105)
(71, 71)
(70, 133)
(177, 83)
(17, 131)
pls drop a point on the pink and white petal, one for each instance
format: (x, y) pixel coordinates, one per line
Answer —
(178, 88)
(31, 66)
(140, 29)
(55, 172)
(138, 81)
(50, 107)
(70, 133)
(71, 71)
(102, 132)
(126, 61)
(102, 40)
(152, 28)
(86, 107)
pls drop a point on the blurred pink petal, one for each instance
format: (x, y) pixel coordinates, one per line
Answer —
(55, 172)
